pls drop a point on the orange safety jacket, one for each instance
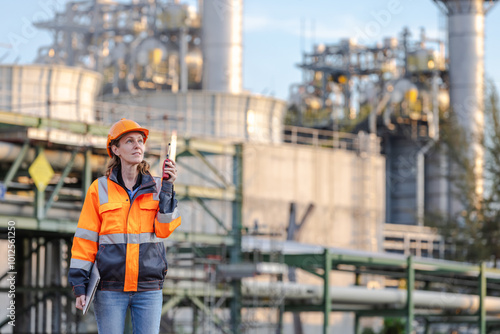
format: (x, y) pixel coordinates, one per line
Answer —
(123, 235)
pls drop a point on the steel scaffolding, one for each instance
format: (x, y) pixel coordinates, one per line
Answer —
(210, 272)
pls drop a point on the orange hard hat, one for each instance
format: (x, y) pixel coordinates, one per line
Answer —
(121, 127)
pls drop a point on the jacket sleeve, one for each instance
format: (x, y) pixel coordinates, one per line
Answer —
(168, 217)
(85, 242)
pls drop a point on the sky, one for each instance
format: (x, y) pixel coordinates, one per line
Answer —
(275, 33)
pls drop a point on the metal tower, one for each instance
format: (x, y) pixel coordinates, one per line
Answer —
(466, 68)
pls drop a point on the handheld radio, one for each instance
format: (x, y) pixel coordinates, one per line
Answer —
(166, 176)
(171, 152)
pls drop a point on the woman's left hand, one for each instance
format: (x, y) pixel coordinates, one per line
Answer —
(171, 169)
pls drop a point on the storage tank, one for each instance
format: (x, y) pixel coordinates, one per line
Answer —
(202, 114)
(53, 91)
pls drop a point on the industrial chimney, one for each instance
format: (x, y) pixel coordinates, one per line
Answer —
(222, 45)
(466, 68)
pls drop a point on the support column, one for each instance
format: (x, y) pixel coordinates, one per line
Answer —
(24, 265)
(60, 183)
(70, 300)
(87, 172)
(280, 311)
(410, 307)
(357, 329)
(15, 165)
(327, 301)
(195, 319)
(482, 298)
(49, 265)
(55, 281)
(183, 49)
(235, 255)
(39, 197)
(38, 294)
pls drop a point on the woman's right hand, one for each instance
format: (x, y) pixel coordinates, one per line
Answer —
(80, 302)
(170, 168)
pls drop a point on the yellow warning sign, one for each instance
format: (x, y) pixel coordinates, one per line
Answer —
(41, 172)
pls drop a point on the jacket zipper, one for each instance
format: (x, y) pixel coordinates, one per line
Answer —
(131, 202)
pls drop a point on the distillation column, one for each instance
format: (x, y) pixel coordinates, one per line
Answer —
(222, 45)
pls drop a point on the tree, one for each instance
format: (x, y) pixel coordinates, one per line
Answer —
(475, 231)
(393, 326)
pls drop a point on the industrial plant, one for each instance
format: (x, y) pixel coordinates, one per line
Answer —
(298, 216)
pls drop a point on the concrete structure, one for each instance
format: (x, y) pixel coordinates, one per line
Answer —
(346, 187)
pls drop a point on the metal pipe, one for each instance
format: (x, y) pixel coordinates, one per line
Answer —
(58, 159)
(482, 299)
(355, 295)
(410, 293)
(250, 243)
(327, 302)
(359, 296)
(235, 255)
(433, 121)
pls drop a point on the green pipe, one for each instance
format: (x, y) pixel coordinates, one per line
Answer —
(59, 185)
(15, 166)
(211, 213)
(482, 298)
(410, 285)
(172, 302)
(39, 197)
(357, 329)
(87, 172)
(327, 301)
(235, 255)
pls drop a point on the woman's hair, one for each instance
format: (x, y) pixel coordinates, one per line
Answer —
(115, 161)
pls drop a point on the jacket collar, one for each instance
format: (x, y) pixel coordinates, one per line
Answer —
(148, 184)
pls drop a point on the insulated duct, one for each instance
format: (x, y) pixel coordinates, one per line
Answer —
(357, 297)
(352, 295)
(57, 159)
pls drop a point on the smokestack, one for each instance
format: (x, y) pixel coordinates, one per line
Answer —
(222, 45)
(466, 67)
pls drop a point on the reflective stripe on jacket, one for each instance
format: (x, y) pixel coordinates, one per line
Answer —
(123, 235)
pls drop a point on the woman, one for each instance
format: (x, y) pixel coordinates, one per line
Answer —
(124, 215)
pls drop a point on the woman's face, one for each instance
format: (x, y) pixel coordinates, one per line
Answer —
(130, 148)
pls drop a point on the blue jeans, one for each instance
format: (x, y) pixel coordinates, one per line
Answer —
(110, 309)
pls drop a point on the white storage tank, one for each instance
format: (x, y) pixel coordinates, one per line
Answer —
(202, 114)
(52, 91)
